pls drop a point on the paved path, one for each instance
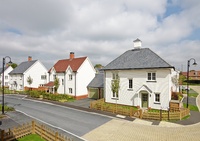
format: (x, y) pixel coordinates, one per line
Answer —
(197, 89)
(121, 130)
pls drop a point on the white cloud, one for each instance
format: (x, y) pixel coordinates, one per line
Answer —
(48, 30)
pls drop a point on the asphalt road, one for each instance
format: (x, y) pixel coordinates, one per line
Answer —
(64, 118)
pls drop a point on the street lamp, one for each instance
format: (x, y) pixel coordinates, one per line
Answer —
(188, 66)
(10, 62)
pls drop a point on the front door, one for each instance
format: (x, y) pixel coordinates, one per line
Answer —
(144, 100)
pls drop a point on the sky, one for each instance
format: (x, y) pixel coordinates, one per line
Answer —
(48, 30)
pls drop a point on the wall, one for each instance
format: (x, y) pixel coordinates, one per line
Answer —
(84, 76)
(133, 96)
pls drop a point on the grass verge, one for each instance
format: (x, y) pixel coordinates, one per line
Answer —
(191, 107)
(32, 137)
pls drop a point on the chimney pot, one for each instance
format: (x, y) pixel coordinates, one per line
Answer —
(137, 43)
(29, 58)
(71, 56)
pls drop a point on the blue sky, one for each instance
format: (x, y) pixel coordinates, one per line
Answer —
(49, 30)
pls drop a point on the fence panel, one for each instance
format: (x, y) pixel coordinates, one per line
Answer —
(32, 128)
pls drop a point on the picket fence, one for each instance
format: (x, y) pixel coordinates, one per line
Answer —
(32, 128)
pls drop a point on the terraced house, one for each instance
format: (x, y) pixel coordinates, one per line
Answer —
(144, 79)
(74, 75)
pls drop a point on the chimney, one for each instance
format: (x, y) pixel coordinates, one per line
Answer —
(137, 43)
(71, 56)
(29, 58)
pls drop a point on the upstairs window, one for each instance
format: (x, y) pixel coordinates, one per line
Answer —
(70, 90)
(115, 76)
(54, 76)
(43, 77)
(130, 85)
(6, 77)
(62, 81)
(70, 77)
(151, 76)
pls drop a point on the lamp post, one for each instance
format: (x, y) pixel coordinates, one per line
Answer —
(188, 66)
(4, 60)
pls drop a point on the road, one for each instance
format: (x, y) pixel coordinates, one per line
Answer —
(71, 120)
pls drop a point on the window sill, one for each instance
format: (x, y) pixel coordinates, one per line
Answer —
(115, 98)
(130, 89)
(158, 103)
(154, 81)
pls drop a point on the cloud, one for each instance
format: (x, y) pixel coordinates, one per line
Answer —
(100, 29)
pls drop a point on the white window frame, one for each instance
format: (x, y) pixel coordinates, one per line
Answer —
(70, 77)
(70, 91)
(62, 81)
(115, 76)
(152, 76)
(156, 98)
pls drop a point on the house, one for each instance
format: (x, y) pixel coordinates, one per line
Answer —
(74, 75)
(193, 75)
(96, 86)
(31, 69)
(7, 70)
(143, 79)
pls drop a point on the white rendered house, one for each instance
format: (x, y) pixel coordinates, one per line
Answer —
(145, 79)
(74, 75)
(31, 68)
(7, 70)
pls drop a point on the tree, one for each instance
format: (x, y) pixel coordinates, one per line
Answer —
(56, 84)
(115, 86)
(13, 65)
(29, 80)
(98, 66)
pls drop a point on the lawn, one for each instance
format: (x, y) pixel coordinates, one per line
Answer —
(191, 107)
(32, 137)
(6, 108)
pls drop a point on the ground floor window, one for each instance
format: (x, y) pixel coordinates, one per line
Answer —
(70, 90)
(157, 97)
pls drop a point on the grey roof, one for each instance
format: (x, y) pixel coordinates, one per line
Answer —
(142, 58)
(21, 68)
(98, 81)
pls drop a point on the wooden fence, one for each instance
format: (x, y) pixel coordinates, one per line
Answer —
(32, 128)
(165, 115)
(172, 114)
(114, 108)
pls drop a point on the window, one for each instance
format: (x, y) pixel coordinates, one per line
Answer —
(54, 76)
(6, 83)
(157, 97)
(130, 85)
(43, 77)
(70, 77)
(115, 76)
(62, 81)
(6, 77)
(70, 90)
(151, 76)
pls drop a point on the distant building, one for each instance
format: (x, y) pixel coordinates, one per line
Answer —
(74, 75)
(7, 70)
(193, 75)
(33, 68)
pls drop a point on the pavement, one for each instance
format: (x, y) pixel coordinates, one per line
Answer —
(133, 128)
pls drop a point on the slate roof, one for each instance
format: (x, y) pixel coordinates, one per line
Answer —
(21, 68)
(98, 81)
(142, 58)
(74, 63)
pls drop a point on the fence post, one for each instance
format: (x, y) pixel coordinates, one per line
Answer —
(33, 127)
(140, 111)
(168, 113)
(131, 111)
(2, 135)
(160, 114)
(56, 136)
